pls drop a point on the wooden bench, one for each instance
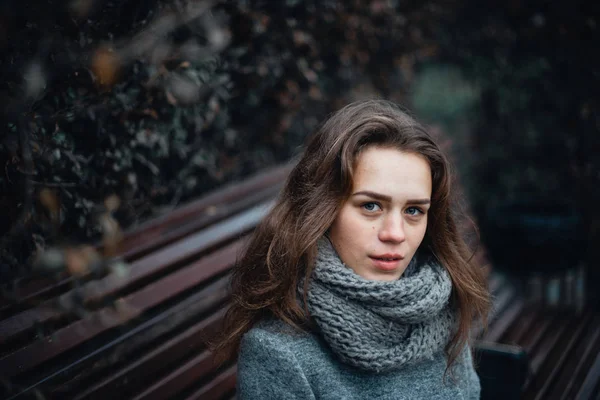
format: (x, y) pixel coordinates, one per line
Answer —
(560, 347)
(150, 342)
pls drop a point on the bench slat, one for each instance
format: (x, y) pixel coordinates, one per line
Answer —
(169, 235)
(588, 388)
(182, 377)
(222, 385)
(105, 356)
(542, 325)
(505, 320)
(150, 296)
(557, 365)
(503, 296)
(549, 341)
(152, 362)
(266, 181)
(141, 269)
(576, 362)
(106, 372)
(194, 224)
(521, 325)
(159, 231)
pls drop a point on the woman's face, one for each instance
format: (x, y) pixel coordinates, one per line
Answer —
(383, 222)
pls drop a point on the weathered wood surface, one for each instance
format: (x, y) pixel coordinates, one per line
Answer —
(150, 342)
(562, 344)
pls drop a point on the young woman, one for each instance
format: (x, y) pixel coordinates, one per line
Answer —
(358, 285)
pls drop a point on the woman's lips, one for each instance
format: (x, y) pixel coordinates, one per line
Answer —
(386, 262)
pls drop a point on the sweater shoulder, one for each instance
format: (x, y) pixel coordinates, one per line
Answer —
(276, 333)
(268, 367)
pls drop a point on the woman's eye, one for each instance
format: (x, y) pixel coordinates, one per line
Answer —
(371, 206)
(414, 211)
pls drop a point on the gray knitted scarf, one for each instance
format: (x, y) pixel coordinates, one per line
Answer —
(375, 325)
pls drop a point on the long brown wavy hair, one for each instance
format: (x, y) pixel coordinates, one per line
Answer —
(283, 247)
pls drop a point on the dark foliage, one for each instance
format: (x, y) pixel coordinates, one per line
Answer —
(537, 127)
(150, 104)
(533, 128)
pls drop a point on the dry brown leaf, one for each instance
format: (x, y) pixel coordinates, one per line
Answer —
(106, 65)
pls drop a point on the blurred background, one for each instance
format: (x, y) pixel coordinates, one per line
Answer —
(116, 112)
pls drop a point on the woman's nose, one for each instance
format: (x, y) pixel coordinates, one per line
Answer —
(392, 230)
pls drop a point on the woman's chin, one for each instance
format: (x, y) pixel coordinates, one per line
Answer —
(374, 274)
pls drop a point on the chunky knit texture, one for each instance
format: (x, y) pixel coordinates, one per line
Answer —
(376, 340)
(380, 326)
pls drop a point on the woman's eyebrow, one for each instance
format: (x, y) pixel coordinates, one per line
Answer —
(419, 201)
(377, 196)
(383, 197)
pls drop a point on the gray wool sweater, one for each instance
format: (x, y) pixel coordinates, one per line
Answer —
(276, 362)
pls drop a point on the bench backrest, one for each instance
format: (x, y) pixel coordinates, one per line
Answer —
(151, 321)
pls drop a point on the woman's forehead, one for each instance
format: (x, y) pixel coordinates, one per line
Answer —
(392, 172)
